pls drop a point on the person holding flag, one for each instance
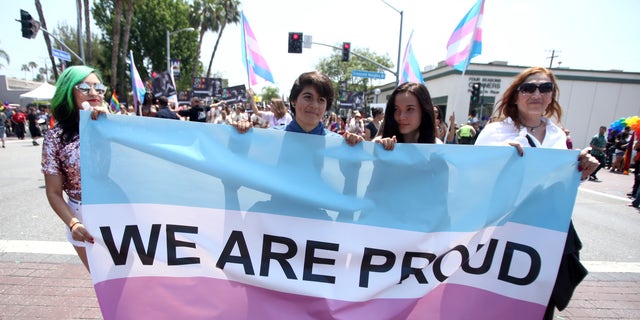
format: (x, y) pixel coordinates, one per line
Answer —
(77, 87)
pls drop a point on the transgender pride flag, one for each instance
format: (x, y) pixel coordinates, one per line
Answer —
(255, 62)
(290, 226)
(466, 40)
(137, 85)
(410, 66)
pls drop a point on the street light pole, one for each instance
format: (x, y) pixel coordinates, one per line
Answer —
(169, 45)
(399, 42)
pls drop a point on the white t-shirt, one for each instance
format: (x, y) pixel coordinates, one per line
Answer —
(270, 118)
(497, 133)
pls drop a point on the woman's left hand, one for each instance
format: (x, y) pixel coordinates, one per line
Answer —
(587, 163)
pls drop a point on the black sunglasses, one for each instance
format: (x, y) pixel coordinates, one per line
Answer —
(85, 88)
(531, 87)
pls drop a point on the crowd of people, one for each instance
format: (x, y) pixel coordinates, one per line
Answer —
(17, 121)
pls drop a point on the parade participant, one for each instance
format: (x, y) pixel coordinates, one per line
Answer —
(77, 86)
(408, 118)
(310, 97)
(524, 114)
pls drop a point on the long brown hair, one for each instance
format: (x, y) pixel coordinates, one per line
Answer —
(427, 127)
(507, 107)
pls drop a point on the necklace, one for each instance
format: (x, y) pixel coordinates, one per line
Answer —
(533, 129)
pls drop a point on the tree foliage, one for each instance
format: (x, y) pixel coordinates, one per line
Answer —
(339, 71)
(269, 93)
(69, 37)
(150, 22)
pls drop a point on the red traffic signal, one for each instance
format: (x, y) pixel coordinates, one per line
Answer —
(346, 51)
(295, 42)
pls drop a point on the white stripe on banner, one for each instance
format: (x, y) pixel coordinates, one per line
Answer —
(208, 231)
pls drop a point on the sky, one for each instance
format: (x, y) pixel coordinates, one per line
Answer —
(585, 34)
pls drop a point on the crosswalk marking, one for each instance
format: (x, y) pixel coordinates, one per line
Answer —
(65, 248)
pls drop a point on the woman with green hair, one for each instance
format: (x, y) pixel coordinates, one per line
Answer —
(79, 87)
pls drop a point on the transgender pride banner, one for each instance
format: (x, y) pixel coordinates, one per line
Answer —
(196, 221)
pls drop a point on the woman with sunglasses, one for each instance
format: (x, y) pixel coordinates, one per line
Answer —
(524, 120)
(77, 86)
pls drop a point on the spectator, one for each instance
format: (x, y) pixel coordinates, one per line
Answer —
(598, 146)
(164, 111)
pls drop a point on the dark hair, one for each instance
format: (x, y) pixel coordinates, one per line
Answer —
(163, 101)
(376, 111)
(440, 115)
(318, 81)
(148, 99)
(507, 107)
(427, 128)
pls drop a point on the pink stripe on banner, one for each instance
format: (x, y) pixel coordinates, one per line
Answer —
(208, 298)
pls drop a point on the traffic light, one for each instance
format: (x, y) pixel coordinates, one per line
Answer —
(475, 92)
(30, 27)
(346, 50)
(295, 42)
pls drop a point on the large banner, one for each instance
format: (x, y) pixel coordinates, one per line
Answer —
(196, 221)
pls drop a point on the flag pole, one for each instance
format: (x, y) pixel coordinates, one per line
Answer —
(244, 50)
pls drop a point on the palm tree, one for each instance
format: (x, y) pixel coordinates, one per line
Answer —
(32, 66)
(128, 14)
(5, 56)
(87, 22)
(25, 68)
(43, 25)
(226, 12)
(202, 17)
(117, 18)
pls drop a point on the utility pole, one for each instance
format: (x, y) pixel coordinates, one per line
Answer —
(553, 55)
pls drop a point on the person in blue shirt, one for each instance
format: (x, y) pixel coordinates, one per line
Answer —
(311, 96)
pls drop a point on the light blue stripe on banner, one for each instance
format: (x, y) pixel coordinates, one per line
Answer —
(415, 187)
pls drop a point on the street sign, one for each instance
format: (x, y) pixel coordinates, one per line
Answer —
(367, 74)
(62, 55)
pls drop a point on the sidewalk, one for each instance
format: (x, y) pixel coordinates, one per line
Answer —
(55, 287)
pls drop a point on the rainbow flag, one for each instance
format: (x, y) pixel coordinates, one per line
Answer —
(136, 85)
(466, 41)
(115, 103)
(255, 62)
(410, 66)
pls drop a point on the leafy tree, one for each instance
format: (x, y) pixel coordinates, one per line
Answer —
(25, 68)
(269, 93)
(32, 66)
(202, 17)
(43, 24)
(150, 20)
(69, 37)
(87, 32)
(226, 12)
(338, 71)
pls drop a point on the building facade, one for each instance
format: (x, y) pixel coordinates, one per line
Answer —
(589, 98)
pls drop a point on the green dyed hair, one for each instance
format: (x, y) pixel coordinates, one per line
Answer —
(63, 105)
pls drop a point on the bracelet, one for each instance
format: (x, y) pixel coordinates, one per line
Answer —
(73, 225)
